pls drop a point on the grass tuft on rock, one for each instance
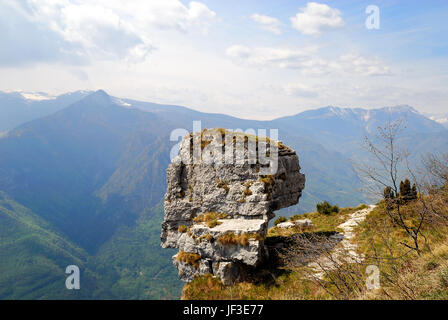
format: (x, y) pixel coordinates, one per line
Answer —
(189, 258)
(210, 218)
(242, 239)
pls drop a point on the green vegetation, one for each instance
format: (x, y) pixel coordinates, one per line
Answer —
(405, 195)
(406, 192)
(33, 258)
(326, 208)
(132, 266)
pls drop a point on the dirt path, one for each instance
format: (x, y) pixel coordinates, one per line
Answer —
(345, 251)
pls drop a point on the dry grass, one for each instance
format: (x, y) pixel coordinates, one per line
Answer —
(208, 237)
(210, 218)
(189, 258)
(269, 183)
(267, 180)
(246, 191)
(223, 184)
(182, 229)
(403, 273)
(289, 286)
(242, 239)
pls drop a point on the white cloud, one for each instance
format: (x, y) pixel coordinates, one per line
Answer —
(268, 23)
(354, 63)
(316, 18)
(91, 42)
(307, 61)
(270, 57)
(110, 29)
(300, 90)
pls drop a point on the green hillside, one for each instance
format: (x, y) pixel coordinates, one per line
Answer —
(132, 265)
(33, 257)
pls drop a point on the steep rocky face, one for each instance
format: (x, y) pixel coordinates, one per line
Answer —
(223, 188)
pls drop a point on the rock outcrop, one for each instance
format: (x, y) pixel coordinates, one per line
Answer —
(302, 223)
(221, 193)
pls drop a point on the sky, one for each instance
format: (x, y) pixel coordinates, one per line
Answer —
(253, 59)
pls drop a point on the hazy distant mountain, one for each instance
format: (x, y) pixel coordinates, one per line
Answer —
(58, 165)
(17, 108)
(342, 129)
(91, 176)
(441, 118)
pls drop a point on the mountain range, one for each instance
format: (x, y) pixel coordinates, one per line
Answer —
(82, 177)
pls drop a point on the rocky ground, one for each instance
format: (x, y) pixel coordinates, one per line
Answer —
(345, 250)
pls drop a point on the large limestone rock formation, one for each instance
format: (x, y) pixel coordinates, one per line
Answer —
(218, 203)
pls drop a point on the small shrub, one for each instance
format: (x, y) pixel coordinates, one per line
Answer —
(326, 208)
(280, 220)
(182, 229)
(407, 193)
(388, 193)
